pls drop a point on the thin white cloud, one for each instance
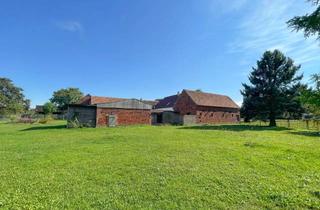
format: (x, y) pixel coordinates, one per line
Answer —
(223, 6)
(264, 28)
(71, 26)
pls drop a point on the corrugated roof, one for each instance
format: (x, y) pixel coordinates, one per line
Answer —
(210, 99)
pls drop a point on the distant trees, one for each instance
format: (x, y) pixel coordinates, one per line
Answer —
(63, 97)
(310, 96)
(274, 89)
(12, 99)
(309, 23)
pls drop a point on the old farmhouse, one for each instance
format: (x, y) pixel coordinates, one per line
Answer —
(187, 107)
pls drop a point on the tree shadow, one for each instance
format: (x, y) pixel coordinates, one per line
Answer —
(235, 128)
(307, 133)
(52, 127)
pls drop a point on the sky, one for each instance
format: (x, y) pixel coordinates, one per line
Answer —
(146, 49)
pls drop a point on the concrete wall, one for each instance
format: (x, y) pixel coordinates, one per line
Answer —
(171, 118)
(86, 115)
(189, 119)
(124, 116)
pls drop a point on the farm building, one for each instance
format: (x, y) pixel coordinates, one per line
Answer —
(194, 107)
(95, 111)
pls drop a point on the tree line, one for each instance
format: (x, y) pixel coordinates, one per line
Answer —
(13, 101)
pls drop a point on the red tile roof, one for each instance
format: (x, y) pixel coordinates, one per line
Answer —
(167, 102)
(210, 99)
(92, 100)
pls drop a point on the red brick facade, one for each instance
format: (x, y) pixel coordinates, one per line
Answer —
(123, 116)
(206, 114)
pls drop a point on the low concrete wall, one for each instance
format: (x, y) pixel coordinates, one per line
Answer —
(189, 119)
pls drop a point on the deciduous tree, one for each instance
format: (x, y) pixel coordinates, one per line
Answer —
(63, 97)
(12, 100)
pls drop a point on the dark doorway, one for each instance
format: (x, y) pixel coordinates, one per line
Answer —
(159, 118)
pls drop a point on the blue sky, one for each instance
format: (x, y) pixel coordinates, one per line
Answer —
(145, 49)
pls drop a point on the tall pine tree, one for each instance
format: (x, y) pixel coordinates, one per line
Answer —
(274, 88)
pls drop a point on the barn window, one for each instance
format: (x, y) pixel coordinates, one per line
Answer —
(211, 114)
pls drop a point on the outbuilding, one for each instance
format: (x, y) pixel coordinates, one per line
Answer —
(196, 107)
(112, 112)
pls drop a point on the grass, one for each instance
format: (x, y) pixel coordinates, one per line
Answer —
(166, 167)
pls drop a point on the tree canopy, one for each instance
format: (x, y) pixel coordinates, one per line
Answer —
(49, 108)
(311, 96)
(12, 100)
(63, 97)
(274, 89)
(309, 23)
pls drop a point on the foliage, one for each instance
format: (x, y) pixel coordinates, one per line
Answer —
(274, 89)
(63, 97)
(12, 100)
(46, 119)
(49, 108)
(309, 23)
(311, 96)
(160, 167)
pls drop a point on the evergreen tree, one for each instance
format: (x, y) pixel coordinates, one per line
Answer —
(274, 89)
(309, 23)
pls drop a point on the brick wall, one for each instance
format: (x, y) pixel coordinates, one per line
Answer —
(206, 115)
(212, 115)
(124, 116)
(184, 105)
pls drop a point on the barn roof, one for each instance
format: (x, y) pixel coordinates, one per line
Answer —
(167, 102)
(210, 99)
(92, 100)
(127, 104)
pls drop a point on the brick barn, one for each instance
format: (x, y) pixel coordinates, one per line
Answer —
(194, 107)
(93, 111)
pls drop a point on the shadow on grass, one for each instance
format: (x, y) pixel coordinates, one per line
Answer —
(52, 127)
(235, 128)
(307, 133)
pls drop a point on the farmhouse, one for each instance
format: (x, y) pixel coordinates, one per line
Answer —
(194, 107)
(93, 111)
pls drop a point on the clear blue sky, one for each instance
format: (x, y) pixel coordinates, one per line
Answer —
(142, 48)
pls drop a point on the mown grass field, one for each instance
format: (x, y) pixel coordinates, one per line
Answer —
(167, 167)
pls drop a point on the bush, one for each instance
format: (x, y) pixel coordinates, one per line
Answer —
(46, 119)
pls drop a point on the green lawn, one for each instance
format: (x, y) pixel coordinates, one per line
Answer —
(217, 167)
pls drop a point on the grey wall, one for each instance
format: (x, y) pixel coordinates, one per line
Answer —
(128, 104)
(86, 115)
(171, 118)
(189, 119)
